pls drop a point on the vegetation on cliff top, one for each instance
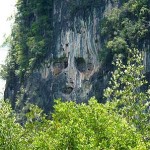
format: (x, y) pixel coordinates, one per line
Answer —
(126, 27)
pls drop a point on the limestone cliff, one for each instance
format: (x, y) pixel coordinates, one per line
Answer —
(72, 69)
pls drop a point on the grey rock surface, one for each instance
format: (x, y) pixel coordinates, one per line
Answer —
(72, 70)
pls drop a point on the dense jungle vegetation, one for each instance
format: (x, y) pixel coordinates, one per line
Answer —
(122, 123)
(30, 39)
(126, 27)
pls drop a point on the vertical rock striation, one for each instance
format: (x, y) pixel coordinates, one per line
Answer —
(72, 70)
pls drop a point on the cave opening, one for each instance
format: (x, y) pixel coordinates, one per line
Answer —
(65, 63)
(80, 64)
(67, 90)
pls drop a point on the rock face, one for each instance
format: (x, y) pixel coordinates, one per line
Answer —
(72, 71)
(147, 65)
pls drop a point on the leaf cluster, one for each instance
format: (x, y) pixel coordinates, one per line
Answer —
(129, 93)
(126, 27)
(73, 126)
(30, 40)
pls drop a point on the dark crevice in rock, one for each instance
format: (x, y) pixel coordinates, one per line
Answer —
(80, 64)
(71, 81)
(96, 40)
(147, 75)
(67, 45)
(67, 90)
(65, 63)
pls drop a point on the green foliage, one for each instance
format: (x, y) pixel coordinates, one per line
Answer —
(126, 27)
(92, 126)
(10, 131)
(73, 126)
(84, 5)
(117, 45)
(128, 93)
(30, 40)
(121, 123)
(3, 72)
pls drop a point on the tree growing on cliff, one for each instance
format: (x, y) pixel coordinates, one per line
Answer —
(125, 27)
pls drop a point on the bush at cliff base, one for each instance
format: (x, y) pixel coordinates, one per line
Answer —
(10, 131)
(91, 126)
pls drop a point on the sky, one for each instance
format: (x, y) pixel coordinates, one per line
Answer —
(7, 9)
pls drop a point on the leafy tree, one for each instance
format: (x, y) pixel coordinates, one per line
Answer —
(128, 92)
(10, 131)
(92, 126)
(73, 126)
